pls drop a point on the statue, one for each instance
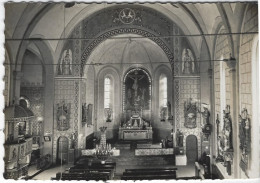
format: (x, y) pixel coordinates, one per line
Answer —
(136, 78)
(188, 66)
(220, 143)
(108, 114)
(72, 138)
(190, 114)
(225, 145)
(169, 106)
(63, 116)
(14, 153)
(163, 113)
(227, 130)
(179, 138)
(244, 137)
(205, 114)
(66, 63)
(84, 113)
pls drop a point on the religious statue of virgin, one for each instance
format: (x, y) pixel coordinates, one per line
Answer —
(188, 66)
(65, 66)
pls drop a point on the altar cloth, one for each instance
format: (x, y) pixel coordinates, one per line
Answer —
(154, 152)
(90, 152)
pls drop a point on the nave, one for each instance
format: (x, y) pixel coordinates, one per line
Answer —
(102, 90)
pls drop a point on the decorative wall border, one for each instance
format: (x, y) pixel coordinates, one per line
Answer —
(115, 32)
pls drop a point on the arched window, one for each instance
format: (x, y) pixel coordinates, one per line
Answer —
(163, 90)
(107, 93)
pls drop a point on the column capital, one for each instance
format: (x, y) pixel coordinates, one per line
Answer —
(231, 63)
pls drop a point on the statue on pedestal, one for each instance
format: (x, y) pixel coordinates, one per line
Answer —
(65, 66)
(179, 138)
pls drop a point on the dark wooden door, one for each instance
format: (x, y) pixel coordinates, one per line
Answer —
(62, 151)
(191, 148)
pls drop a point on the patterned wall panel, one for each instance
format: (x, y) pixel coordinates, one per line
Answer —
(66, 90)
(186, 89)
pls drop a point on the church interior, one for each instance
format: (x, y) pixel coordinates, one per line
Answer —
(131, 91)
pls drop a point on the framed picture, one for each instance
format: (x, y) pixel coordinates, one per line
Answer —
(47, 138)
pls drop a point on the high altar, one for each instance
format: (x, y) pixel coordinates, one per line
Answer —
(137, 100)
(136, 129)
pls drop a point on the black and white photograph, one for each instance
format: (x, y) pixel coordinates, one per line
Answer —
(130, 91)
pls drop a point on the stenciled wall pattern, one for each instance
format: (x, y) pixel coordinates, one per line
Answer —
(67, 91)
(184, 90)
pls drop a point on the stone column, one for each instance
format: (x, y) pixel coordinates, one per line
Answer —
(231, 63)
(17, 85)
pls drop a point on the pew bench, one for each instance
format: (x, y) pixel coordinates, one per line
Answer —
(149, 174)
(82, 176)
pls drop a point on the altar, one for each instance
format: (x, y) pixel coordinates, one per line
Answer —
(136, 129)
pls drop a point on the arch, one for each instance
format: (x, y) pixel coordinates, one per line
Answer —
(93, 8)
(137, 68)
(191, 148)
(7, 79)
(227, 26)
(48, 81)
(62, 150)
(25, 101)
(215, 30)
(26, 34)
(198, 25)
(86, 53)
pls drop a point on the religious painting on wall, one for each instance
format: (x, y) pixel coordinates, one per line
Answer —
(137, 90)
(63, 116)
(65, 64)
(190, 114)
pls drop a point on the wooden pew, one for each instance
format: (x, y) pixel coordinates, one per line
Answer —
(94, 167)
(149, 174)
(172, 172)
(82, 176)
(147, 177)
(150, 169)
(103, 171)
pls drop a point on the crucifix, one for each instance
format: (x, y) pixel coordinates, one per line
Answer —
(136, 77)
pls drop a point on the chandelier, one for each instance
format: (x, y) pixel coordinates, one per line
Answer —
(103, 150)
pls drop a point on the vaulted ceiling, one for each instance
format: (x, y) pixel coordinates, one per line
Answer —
(54, 21)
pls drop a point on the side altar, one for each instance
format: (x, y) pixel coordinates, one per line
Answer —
(136, 129)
